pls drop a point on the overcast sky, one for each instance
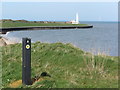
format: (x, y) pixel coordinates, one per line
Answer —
(61, 11)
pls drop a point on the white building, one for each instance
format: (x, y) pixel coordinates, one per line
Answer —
(75, 21)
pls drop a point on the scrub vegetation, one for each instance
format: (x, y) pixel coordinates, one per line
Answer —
(20, 23)
(68, 66)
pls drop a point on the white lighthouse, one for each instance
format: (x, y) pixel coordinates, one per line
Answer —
(75, 21)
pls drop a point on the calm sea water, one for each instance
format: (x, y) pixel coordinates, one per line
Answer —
(103, 37)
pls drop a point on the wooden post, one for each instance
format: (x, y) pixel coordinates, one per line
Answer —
(26, 61)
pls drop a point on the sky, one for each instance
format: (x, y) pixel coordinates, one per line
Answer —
(60, 11)
(60, 0)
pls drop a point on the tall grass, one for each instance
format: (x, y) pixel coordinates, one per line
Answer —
(0, 67)
(95, 66)
(69, 67)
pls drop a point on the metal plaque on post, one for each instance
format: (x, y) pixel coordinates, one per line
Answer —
(26, 61)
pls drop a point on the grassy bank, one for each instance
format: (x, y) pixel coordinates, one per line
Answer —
(21, 24)
(68, 66)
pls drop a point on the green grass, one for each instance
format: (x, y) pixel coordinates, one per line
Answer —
(21, 24)
(68, 66)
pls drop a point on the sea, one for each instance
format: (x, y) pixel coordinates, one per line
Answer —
(101, 39)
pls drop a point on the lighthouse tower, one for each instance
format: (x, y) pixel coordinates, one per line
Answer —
(76, 21)
(77, 18)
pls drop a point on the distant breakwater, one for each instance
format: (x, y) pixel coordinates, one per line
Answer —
(8, 29)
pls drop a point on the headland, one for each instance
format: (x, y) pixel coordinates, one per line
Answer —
(18, 25)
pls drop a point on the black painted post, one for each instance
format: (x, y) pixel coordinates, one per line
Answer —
(26, 61)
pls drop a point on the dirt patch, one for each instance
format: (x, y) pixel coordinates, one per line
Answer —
(16, 84)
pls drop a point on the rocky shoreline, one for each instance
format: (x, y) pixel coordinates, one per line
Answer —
(5, 41)
(9, 29)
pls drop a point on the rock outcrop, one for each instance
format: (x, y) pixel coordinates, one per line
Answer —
(4, 41)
